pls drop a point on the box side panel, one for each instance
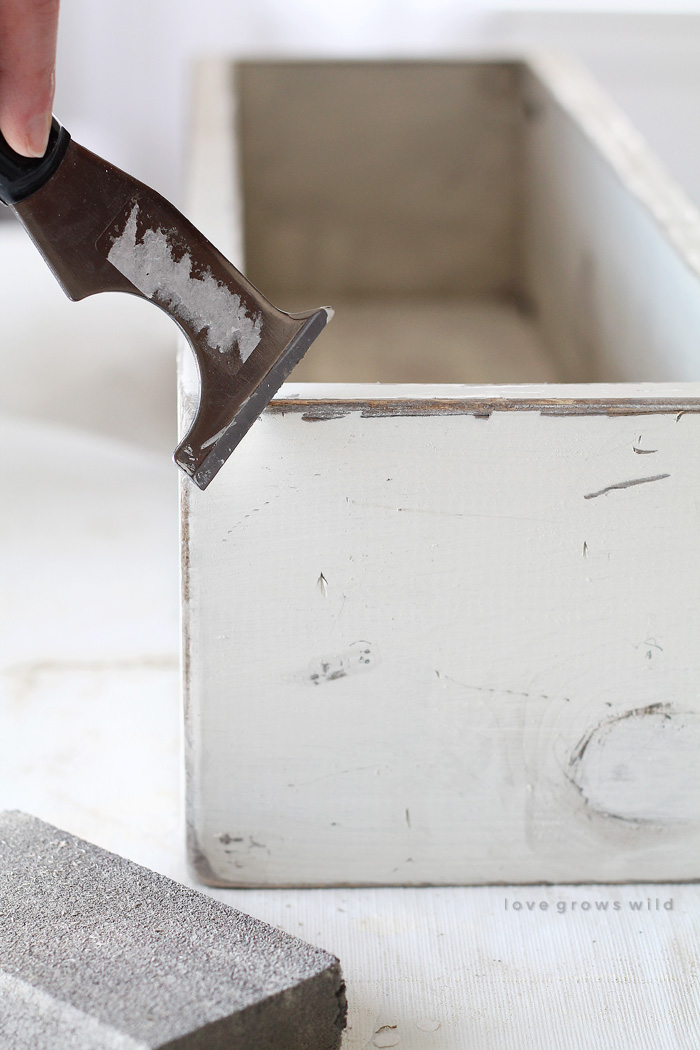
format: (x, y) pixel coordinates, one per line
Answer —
(449, 649)
(214, 198)
(445, 646)
(214, 205)
(390, 178)
(610, 245)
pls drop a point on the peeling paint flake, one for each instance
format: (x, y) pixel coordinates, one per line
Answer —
(199, 302)
(360, 656)
(625, 485)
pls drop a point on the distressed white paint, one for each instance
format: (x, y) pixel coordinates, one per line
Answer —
(506, 618)
(90, 739)
(522, 583)
(199, 302)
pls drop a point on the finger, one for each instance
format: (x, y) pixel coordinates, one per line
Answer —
(28, 31)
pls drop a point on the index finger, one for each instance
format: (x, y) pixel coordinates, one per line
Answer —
(28, 30)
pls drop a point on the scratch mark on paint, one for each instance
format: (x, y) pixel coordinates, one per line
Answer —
(585, 549)
(430, 510)
(649, 644)
(322, 584)
(408, 817)
(625, 485)
(328, 776)
(443, 513)
(644, 451)
(340, 611)
(500, 692)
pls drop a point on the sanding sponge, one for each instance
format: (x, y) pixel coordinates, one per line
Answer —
(97, 952)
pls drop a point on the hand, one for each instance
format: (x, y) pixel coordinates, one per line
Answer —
(27, 61)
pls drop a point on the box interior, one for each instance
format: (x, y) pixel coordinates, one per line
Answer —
(391, 193)
(447, 222)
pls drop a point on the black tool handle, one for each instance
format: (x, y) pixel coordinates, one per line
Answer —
(21, 176)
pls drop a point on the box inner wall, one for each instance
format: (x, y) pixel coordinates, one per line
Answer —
(393, 193)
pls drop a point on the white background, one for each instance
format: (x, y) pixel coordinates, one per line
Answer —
(123, 65)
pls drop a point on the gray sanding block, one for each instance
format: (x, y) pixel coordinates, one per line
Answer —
(97, 952)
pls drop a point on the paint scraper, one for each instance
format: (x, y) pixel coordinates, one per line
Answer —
(100, 230)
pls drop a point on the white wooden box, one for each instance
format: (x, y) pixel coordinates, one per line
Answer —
(435, 630)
